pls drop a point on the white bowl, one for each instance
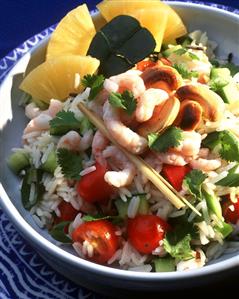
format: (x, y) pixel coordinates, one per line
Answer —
(221, 26)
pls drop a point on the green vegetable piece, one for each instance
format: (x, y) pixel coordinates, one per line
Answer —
(232, 67)
(232, 178)
(171, 137)
(126, 101)
(70, 163)
(18, 160)
(166, 264)
(166, 53)
(220, 73)
(95, 82)
(122, 207)
(178, 245)
(85, 125)
(58, 233)
(229, 93)
(118, 45)
(143, 205)
(225, 229)
(193, 181)
(32, 183)
(64, 122)
(213, 203)
(51, 162)
(184, 40)
(184, 72)
(88, 218)
(226, 142)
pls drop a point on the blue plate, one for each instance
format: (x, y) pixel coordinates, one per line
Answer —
(24, 274)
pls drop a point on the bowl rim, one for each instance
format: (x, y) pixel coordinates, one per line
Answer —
(45, 245)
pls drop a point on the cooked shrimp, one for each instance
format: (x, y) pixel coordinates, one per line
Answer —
(70, 141)
(203, 152)
(127, 171)
(124, 135)
(97, 104)
(32, 111)
(129, 80)
(100, 142)
(172, 158)
(205, 165)
(38, 123)
(86, 141)
(147, 101)
(54, 107)
(190, 145)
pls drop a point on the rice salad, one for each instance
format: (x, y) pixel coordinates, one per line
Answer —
(178, 109)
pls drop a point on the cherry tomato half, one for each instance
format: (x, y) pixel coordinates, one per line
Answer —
(145, 232)
(144, 64)
(101, 235)
(68, 213)
(230, 210)
(175, 174)
(93, 188)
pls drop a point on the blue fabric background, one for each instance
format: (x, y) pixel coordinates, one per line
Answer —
(20, 19)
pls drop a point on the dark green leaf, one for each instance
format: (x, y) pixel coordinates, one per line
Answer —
(171, 137)
(226, 142)
(58, 233)
(180, 51)
(70, 163)
(193, 56)
(193, 181)
(118, 45)
(114, 219)
(95, 82)
(177, 241)
(184, 72)
(126, 101)
(64, 122)
(32, 177)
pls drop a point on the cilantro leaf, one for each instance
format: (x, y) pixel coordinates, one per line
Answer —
(64, 122)
(32, 179)
(117, 220)
(177, 242)
(85, 125)
(95, 82)
(58, 233)
(126, 101)
(226, 142)
(218, 83)
(193, 181)
(171, 137)
(229, 146)
(184, 72)
(70, 163)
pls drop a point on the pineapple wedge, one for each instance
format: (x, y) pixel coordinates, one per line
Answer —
(58, 77)
(73, 34)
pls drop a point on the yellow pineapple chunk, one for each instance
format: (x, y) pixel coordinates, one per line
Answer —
(73, 34)
(58, 77)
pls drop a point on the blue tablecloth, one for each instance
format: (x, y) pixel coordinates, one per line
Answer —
(23, 274)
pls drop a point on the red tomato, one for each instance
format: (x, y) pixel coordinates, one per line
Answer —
(145, 232)
(165, 61)
(144, 64)
(93, 188)
(68, 213)
(175, 174)
(101, 235)
(230, 210)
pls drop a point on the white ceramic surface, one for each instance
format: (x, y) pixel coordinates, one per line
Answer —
(223, 27)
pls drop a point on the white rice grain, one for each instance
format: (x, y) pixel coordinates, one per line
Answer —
(32, 192)
(87, 170)
(47, 152)
(78, 248)
(133, 206)
(77, 221)
(115, 257)
(138, 185)
(38, 221)
(143, 268)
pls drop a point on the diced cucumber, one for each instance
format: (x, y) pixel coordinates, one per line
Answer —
(213, 203)
(122, 207)
(143, 205)
(220, 72)
(51, 162)
(229, 93)
(169, 51)
(164, 264)
(18, 160)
